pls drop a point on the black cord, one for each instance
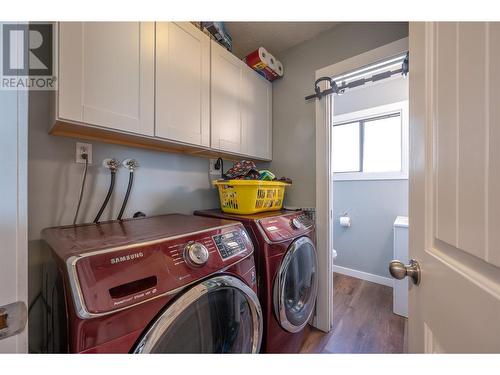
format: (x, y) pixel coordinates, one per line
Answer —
(84, 156)
(39, 297)
(219, 164)
(33, 303)
(127, 194)
(106, 200)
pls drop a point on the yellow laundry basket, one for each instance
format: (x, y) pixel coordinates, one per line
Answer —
(250, 196)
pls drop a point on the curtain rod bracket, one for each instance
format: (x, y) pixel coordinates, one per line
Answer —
(318, 93)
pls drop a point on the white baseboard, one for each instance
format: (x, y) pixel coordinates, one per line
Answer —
(364, 275)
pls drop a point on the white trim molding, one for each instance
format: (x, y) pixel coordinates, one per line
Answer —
(14, 203)
(377, 279)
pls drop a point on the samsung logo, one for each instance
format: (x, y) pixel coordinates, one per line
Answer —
(126, 258)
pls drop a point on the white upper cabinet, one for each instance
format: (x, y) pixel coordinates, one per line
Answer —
(241, 107)
(256, 115)
(182, 83)
(226, 89)
(167, 82)
(106, 74)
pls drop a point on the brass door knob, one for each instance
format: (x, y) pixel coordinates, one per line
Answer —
(399, 270)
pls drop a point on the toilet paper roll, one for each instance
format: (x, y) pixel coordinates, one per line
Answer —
(276, 66)
(258, 59)
(279, 68)
(345, 221)
(261, 60)
(272, 61)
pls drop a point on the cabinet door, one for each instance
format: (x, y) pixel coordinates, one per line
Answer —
(226, 91)
(256, 115)
(106, 74)
(182, 83)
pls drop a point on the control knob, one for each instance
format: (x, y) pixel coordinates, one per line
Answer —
(296, 224)
(195, 254)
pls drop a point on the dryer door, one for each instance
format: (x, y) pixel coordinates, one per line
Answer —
(296, 285)
(219, 315)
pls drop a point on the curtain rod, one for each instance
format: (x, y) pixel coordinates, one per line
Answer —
(335, 89)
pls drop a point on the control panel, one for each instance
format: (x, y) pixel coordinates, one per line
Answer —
(280, 228)
(301, 222)
(230, 244)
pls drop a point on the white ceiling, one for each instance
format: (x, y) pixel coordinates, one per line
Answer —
(275, 37)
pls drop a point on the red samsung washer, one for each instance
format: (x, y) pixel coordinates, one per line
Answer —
(164, 284)
(286, 262)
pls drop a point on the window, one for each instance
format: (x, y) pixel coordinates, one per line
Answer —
(346, 147)
(371, 144)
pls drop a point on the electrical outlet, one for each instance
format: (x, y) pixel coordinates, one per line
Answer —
(213, 173)
(211, 167)
(82, 148)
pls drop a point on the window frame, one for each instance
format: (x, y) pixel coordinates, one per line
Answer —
(400, 108)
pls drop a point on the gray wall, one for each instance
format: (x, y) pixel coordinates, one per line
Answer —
(163, 183)
(372, 206)
(386, 92)
(293, 117)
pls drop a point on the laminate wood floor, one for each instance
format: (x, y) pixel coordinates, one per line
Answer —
(363, 321)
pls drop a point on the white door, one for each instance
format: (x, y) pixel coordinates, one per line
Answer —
(256, 115)
(182, 99)
(226, 94)
(106, 74)
(13, 218)
(455, 187)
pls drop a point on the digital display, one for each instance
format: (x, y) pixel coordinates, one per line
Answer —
(229, 244)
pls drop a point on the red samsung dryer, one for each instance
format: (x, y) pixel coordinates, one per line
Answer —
(287, 273)
(164, 284)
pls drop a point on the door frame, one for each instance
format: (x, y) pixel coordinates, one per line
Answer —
(324, 199)
(14, 209)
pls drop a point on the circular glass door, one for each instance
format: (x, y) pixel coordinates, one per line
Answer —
(296, 285)
(219, 315)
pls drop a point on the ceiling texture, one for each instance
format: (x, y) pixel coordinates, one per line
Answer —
(275, 37)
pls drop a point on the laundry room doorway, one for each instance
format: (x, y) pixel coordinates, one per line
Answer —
(453, 182)
(360, 199)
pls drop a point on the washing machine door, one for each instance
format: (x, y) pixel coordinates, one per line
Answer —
(296, 285)
(219, 315)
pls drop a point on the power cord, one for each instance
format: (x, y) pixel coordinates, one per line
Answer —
(85, 156)
(219, 164)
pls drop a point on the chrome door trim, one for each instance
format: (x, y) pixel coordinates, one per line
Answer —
(279, 286)
(168, 317)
